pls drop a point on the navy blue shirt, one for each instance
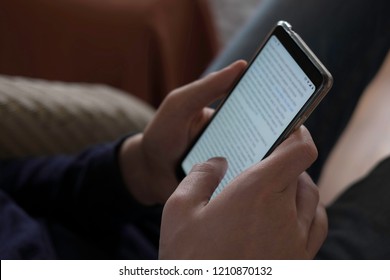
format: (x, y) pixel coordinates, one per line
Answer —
(73, 207)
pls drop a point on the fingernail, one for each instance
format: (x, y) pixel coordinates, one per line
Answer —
(217, 159)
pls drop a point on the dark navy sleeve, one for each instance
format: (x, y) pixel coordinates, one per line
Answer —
(81, 190)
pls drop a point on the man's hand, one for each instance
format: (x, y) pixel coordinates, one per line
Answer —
(148, 161)
(270, 211)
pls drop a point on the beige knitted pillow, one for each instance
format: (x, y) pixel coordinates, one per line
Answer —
(42, 118)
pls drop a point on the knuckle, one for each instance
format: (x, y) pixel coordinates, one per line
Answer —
(173, 95)
(316, 193)
(308, 150)
(177, 200)
(323, 224)
(308, 188)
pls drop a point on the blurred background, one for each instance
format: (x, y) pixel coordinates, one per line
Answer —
(229, 15)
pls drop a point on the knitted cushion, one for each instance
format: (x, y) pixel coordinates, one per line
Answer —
(38, 117)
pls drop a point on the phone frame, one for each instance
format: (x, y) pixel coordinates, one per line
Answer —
(309, 63)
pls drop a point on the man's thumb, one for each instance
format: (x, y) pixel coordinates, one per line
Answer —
(202, 180)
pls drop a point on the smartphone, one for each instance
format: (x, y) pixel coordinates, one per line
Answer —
(279, 89)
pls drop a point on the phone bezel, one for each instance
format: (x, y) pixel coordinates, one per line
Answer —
(309, 63)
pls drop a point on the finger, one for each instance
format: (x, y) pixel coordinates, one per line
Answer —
(290, 159)
(203, 92)
(296, 154)
(307, 199)
(201, 121)
(208, 113)
(198, 186)
(318, 231)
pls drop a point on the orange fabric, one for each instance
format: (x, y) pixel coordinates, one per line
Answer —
(145, 47)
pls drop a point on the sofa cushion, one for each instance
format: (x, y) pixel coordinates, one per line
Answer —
(38, 117)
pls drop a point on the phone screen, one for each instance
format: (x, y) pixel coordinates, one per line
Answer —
(260, 108)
